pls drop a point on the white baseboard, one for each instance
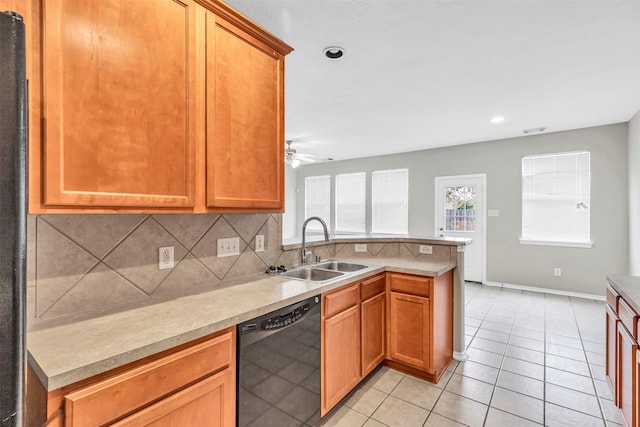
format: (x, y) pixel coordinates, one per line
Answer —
(545, 290)
(460, 356)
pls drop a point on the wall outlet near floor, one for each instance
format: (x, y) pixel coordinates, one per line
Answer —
(259, 243)
(165, 258)
(361, 247)
(557, 272)
(228, 247)
(426, 249)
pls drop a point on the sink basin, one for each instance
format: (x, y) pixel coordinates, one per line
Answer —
(340, 266)
(311, 274)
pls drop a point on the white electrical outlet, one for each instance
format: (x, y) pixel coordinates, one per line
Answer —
(165, 258)
(361, 247)
(259, 243)
(228, 247)
(426, 249)
(557, 272)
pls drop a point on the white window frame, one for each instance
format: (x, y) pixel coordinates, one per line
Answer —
(532, 240)
(373, 200)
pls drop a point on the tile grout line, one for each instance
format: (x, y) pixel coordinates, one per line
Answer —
(589, 366)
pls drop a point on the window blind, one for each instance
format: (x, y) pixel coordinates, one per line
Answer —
(390, 201)
(350, 202)
(317, 200)
(556, 198)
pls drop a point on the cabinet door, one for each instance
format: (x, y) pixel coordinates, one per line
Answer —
(210, 402)
(626, 380)
(409, 327)
(245, 120)
(612, 350)
(340, 356)
(637, 400)
(119, 103)
(373, 332)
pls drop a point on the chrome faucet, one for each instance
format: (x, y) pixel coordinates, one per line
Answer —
(304, 254)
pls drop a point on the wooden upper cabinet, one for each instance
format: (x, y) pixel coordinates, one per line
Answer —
(153, 106)
(119, 103)
(245, 120)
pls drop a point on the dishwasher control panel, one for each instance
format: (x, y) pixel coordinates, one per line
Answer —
(284, 320)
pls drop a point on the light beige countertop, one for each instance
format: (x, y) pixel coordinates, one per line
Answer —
(628, 287)
(64, 354)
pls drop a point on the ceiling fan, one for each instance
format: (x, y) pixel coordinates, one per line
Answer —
(293, 158)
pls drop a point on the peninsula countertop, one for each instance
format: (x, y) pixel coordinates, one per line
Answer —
(318, 240)
(628, 287)
(63, 354)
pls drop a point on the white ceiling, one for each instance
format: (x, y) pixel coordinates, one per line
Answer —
(420, 74)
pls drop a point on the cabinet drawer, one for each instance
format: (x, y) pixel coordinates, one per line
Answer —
(340, 300)
(628, 317)
(372, 287)
(414, 285)
(111, 398)
(612, 298)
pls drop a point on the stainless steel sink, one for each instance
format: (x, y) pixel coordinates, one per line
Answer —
(312, 274)
(346, 267)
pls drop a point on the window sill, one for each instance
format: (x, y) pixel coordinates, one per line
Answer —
(556, 243)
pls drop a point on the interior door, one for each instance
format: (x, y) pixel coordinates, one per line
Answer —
(460, 212)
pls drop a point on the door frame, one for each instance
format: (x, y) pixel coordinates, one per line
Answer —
(483, 198)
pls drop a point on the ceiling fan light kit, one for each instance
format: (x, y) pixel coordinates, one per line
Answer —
(295, 159)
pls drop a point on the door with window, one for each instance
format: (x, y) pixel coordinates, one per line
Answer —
(460, 213)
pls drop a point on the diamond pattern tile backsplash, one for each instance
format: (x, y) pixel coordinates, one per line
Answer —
(80, 263)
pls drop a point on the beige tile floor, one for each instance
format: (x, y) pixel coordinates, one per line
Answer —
(534, 359)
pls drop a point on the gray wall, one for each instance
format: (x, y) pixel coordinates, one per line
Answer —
(289, 226)
(583, 270)
(634, 195)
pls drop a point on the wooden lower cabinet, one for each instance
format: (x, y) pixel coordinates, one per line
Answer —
(384, 323)
(409, 328)
(622, 356)
(194, 384)
(637, 401)
(209, 402)
(420, 328)
(341, 348)
(626, 383)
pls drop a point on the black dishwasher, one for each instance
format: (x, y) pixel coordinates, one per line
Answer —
(279, 367)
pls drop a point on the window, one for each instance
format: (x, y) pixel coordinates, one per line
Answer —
(556, 199)
(317, 200)
(390, 201)
(460, 209)
(350, 202)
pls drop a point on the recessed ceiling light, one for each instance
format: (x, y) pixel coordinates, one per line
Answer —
(497, 119)
(333, 52)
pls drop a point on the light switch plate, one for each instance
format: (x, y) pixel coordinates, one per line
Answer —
(228, 247)
(361, 247)
(259, 243)
(493, 212)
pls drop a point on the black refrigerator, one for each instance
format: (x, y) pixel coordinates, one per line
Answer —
(13, 202)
